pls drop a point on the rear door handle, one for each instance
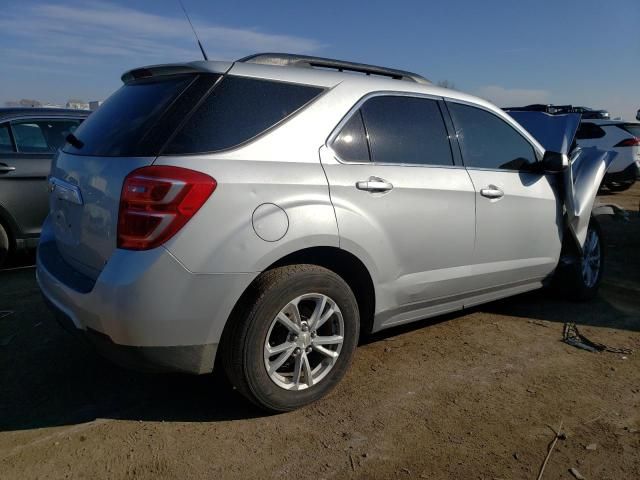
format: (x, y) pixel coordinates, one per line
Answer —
(491, 191)
(374, 184)
(6, 168)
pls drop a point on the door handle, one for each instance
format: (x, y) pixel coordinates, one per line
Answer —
(491, 191)
(374, 184)
(6, 168)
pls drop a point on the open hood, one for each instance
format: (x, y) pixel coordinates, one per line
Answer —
(553, 132)
(581, 183)
(582, 179)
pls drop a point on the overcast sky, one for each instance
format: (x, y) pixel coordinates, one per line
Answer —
(512, 53)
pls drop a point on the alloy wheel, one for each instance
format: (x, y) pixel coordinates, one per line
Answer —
(304, 341)
(591, 259)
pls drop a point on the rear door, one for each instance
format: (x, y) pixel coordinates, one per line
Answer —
(402, 203)
(518, 215)
(27, 146)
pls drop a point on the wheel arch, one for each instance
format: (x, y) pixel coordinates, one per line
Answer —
(10, 226)
(343, 263)
(346, 265)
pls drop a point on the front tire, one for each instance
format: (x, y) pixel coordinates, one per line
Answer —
(620, 187)
(581, 278)
(4, 245)
(292, 337)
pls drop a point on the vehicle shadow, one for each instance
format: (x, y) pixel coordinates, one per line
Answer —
(65, 383)
(51, 378)
(22, 259)
(48, 378)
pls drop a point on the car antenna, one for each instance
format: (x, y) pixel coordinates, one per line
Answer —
(204, 54)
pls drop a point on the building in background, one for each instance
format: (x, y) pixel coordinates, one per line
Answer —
(94, 105)
(78, 104)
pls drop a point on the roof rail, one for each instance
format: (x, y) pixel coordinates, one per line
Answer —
(304, 61)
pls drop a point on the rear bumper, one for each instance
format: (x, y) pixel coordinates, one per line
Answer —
(145, 309)
(628, 175)
(195, 359)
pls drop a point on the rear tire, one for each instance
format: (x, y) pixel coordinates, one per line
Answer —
(620, 187)
(580, 279)
(292, 337)
(4, 245)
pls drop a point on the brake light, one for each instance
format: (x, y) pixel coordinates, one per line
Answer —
(157, 201)
(629, 142)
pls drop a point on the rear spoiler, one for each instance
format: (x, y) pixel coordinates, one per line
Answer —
(176, 69)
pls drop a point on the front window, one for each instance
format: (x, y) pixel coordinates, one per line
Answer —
(487, 141)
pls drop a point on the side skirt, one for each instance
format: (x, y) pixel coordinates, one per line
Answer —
(432, 308)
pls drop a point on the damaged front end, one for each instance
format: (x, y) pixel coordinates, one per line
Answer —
(586, 169)
(581, 183)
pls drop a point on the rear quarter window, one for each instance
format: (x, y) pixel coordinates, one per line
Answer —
(632, 128)
(589, 131)
(238, 110)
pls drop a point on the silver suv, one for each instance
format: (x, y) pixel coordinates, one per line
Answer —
(262, 214)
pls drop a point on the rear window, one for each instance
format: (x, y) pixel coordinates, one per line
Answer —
(186, 114)
(589, 131)
(238, 110)
(119, 126)
(632, 128)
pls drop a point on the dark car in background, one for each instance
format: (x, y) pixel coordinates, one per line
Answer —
(586, 112)
(29, 137)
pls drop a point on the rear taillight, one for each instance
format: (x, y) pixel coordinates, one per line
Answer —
(629, 142)
(157, 201)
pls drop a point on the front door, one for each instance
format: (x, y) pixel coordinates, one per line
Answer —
(518, 213)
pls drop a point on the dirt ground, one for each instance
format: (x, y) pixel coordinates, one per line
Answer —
(467, 396)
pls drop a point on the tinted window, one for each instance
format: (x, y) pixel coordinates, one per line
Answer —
(632, 128)
(351, 142)
(5, 139)
(42, 136)
(488, 141)
(29, 138)
(588, 130)
(119, 126)
(406, 130)
(237, 110)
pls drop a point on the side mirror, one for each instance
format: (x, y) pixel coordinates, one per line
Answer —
(638, 115)
(554, 162)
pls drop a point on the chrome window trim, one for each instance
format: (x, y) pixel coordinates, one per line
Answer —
(539, 152)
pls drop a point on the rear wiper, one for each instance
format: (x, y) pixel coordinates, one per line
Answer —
(74, 141)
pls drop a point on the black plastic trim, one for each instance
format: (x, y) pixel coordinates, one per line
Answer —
(193, 359)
